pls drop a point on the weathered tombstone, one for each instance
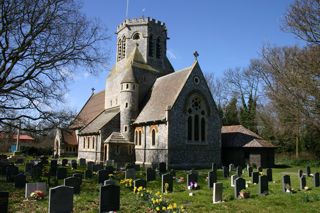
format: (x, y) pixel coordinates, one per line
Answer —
(73, 182)
(217, 192)
(61, 173)
(109, 170)
(110, 181)
(28, 168)
(240, 184)
(308, 171)
(316, 180)
(31, 187)
(102, 176)
(231, 167)
(74, 164)
(239, 171)
(260, 169)
(300, 173)
(11, 172)
(36, 171)
(214, 167)
(286, 182)
(88, 174)
(97, 167)
(64, 162)
(269, 174)
(232, 180)
(212, 178)
(263, 185)
(61, 199)
(303, 182)
(151, 174)
(82, 162)
(192, 178)
(109, 198)
(90, 165)
(225, 171)
(4, 202)
(130, 174)
(166, 183)
(140, 182)
(255, 177)
(250, 170)
(53, 163)
(20, 181)
(162, 168)
(78, 175)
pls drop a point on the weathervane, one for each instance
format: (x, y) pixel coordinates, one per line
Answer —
(196, 54)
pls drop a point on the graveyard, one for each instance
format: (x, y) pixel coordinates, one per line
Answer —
(69, 185)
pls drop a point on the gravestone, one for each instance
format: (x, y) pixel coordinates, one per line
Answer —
(303, 182)
(250, 170)
(61, 173)
(109, 198)
(90, 165)
(166, 183)
(308, 171)
(286, 182)
(110, 162)
(247, 167)
(212, 178)
(217, 192)
(162, 168)
(28, 168)
(11, 172)
(102, 176)
(263, 185)
(36, 171)
(300, 173)
(31, 187)
(269, 174)
(140, 182)
(225, 171)
(73, 182)
(64, 162)
(255, 177)
(53, 163)
(74, 164)
(192, 178)
(88, 174)
(61, 199)
(78, 175)
(240, 184)
(109, 170)
(110, 181)
(82, 162)
(151, 174)
(97, 167)
(137, 167)
(231, 167)
(173, 173)
(260, 169)
(4, 202)
(130, 174)
(19, 161)
(53, 171)
(239, 171)
(20, 181)
(214, 167)
(232, 180)
(316, 180)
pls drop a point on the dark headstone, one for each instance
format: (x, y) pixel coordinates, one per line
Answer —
(172, 172)
(250, 170)
(151, 174)
(166, 183)
(286, 183)
(109, 198)
(303, 182)
(64, 162)
(239, 171)
(192, 178)
(260, 169)
(225, 171)
(20, 181)
(73, 182)
(212, 178)
(78, 175)
(102, 176)
(54, 163)
(140, 182)
(4, 202)
(231, 167)
(316, 180)
(97, 167)
(61, 199)
(61, 173)
(11, 172)
(109, 170)
(240, 184)
(308, 171)
(255, 177)
(217, 192)
(162, 168)
(233, 180)
(28, 168)
(130, 174)
(82, 162)
(88, 174)
(300, 173)
(90, 165)
(74, 164)
(110, 181)
(214, 167)
(19, 161)
(263, 185)
(269, 174)
(36, 171)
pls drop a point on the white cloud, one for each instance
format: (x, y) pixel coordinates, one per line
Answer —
(171, 55)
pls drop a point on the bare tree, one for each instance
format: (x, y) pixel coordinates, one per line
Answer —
(217, 88)
(42, 43)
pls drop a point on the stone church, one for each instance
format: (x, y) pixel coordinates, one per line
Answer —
(148, 112)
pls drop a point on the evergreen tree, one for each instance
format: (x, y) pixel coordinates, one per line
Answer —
(231, 113)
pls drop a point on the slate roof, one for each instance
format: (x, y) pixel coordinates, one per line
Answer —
(100, 121)
(164, 93)
(93, 107)
(239, 136)
(69, 136)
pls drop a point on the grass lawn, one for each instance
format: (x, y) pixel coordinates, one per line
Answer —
(276, 201)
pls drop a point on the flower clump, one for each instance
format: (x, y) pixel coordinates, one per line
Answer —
(37, 195)
(127, 183)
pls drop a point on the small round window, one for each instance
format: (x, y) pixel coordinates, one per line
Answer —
(136, 36)
(196, 80)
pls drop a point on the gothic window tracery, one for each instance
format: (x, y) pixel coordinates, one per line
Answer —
(158, 48)
(123, 47)
(150, 51)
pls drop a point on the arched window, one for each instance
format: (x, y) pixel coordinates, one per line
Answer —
(93, 141)
(158, 48)
(117, 150)
(196, 110)
(123, 47)
(84, 142)
(119, 50)
(136, 137)
(150, 51)
(136, 36)
(88, 142)
(139, 141)
(153, 137)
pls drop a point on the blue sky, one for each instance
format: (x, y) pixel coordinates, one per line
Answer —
(226, 33)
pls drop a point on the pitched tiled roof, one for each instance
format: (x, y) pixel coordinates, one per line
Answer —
(100, 121)
(239, 136)
(93, 107)
(69, 136)
(24, 137)
(164, 92)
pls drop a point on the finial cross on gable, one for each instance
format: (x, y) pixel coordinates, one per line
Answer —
(196, 54)
(93, 89)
